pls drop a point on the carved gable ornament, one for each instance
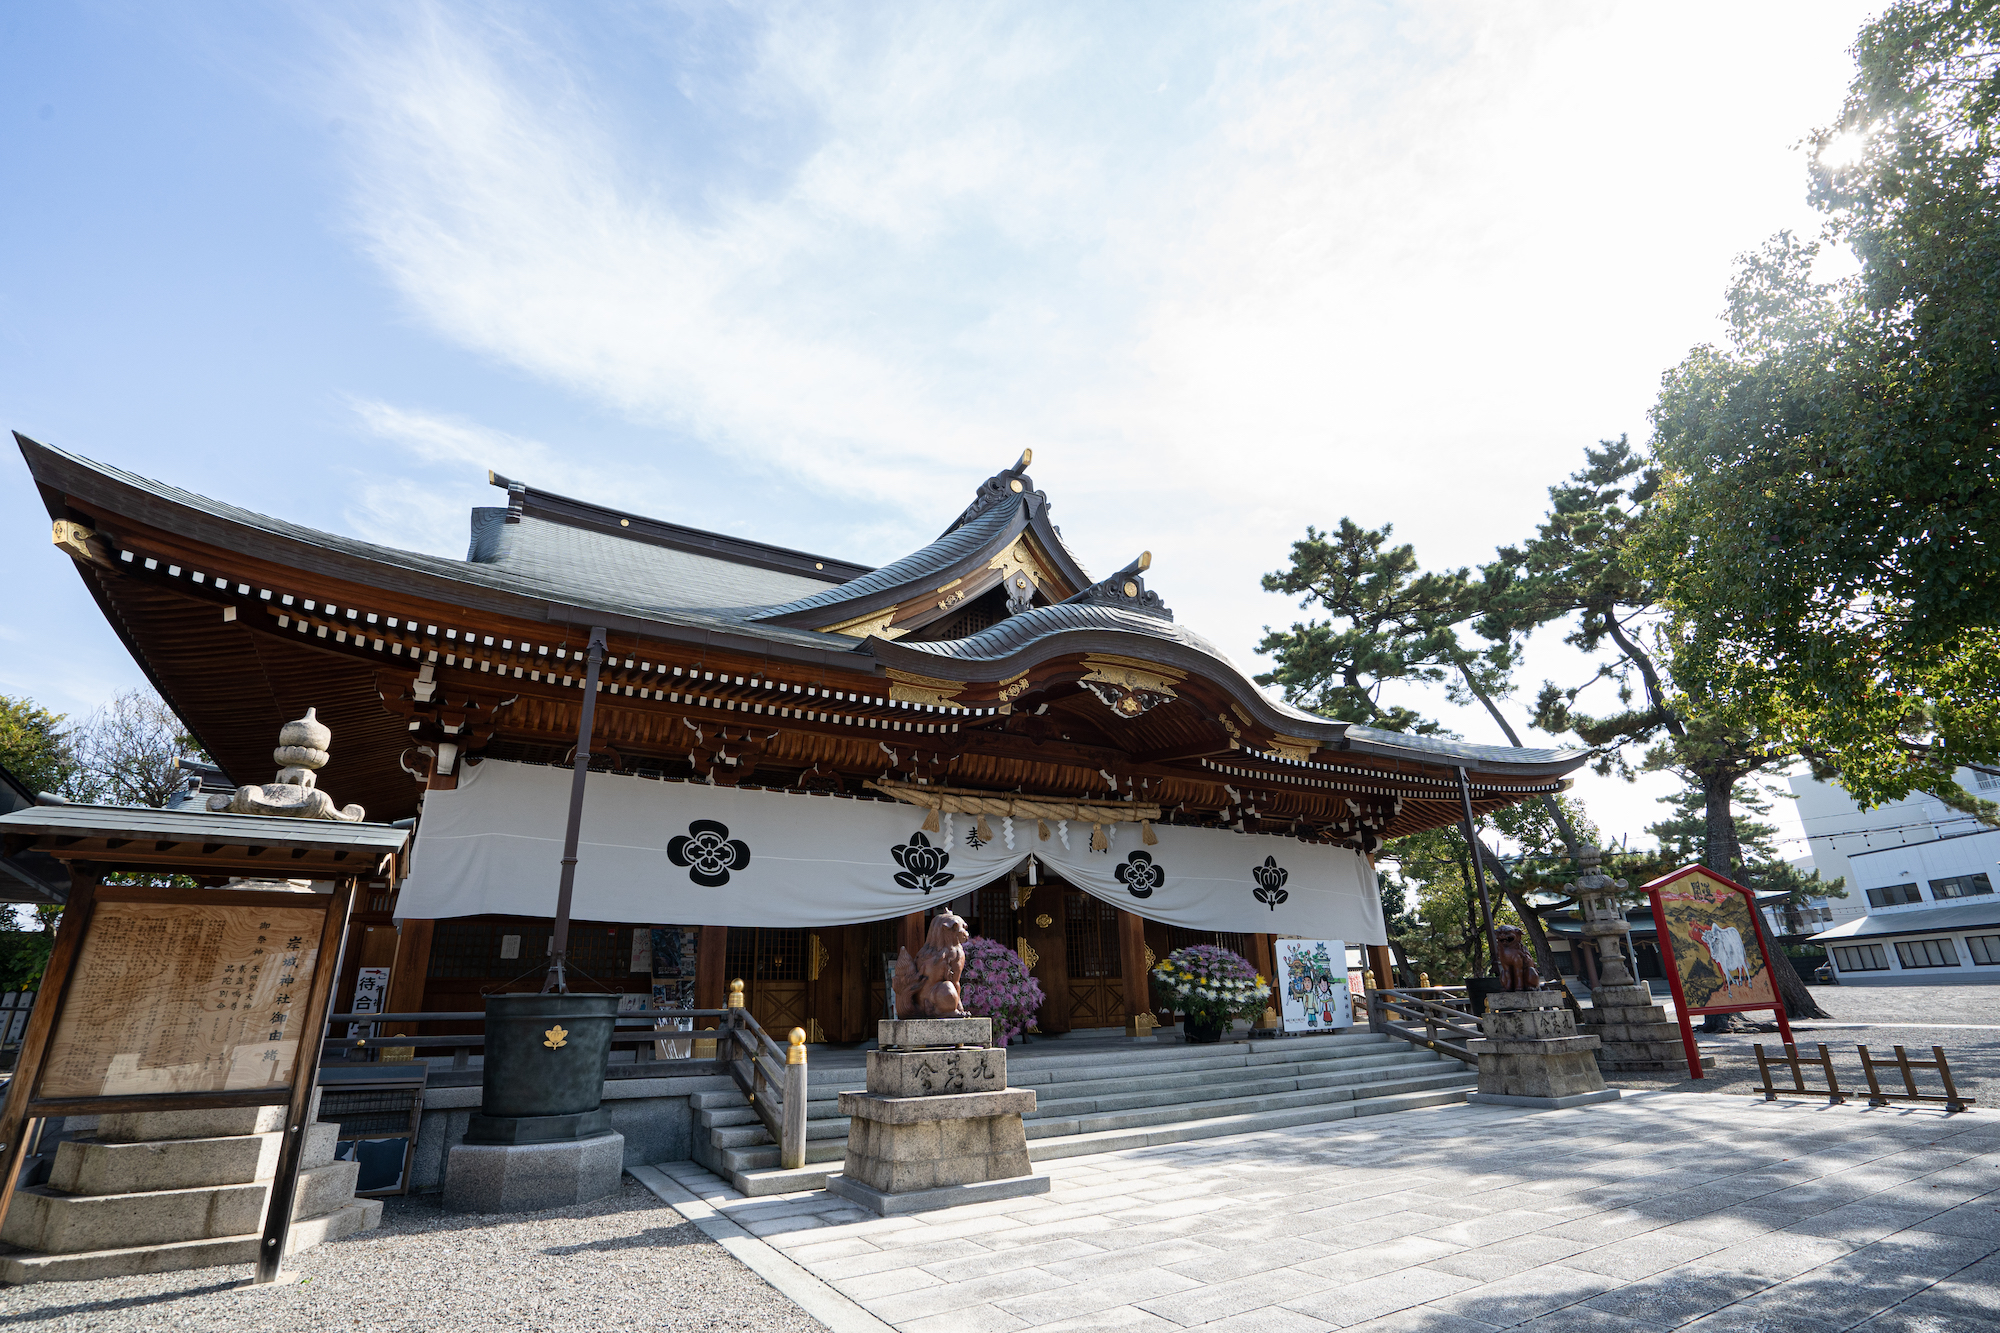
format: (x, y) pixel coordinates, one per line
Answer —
(1295, 748)
(1127, 686)
(910, 688)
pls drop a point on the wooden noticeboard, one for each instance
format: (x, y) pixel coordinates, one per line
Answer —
(168, 999)
(1714, 954)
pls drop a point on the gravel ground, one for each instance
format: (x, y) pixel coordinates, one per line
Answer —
(625, 1261)
(1965, 1020)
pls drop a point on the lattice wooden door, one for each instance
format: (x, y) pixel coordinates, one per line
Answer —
(773, 966)
(1096, 979)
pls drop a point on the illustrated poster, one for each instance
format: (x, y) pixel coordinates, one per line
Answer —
(184, 998)
(1312, 985)
(1714, 945)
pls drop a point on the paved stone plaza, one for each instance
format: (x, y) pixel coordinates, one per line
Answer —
(1658, 1211)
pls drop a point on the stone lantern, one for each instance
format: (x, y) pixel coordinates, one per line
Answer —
(1635, 1034)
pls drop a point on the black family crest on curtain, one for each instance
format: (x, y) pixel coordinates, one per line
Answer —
(1270, 879)
(1140, 875)
(923, 865)
(709, 853)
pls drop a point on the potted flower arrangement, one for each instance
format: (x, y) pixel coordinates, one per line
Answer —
(996, 985)
(1209, 987)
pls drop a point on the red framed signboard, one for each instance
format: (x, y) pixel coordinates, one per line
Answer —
(1713, 952)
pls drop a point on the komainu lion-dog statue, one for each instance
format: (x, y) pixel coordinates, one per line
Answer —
(1517, 970)
(927, 986)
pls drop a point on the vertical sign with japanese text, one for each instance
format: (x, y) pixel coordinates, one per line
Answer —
(184, 998)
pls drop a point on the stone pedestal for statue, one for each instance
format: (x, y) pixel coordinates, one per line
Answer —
(1636, 1034)
(938, 1124)
(161, 1191)
(1532, 1055)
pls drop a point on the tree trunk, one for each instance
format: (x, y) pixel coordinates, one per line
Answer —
(1475, 932)
(1403, 964)
(1567, 830)
(1722, 853)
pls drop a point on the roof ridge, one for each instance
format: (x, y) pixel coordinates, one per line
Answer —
(523, 499)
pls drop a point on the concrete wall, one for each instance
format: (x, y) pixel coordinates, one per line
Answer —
(652, 1113)
(1836, 828)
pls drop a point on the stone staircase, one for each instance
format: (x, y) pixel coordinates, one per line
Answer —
(161, 1191)
(1115, 1095)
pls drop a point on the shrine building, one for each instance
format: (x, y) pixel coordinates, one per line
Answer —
(795, 759)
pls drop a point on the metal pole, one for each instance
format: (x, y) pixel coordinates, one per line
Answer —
(557, 982)
(1479, 876)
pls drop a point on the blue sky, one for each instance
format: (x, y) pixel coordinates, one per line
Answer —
(810, 273)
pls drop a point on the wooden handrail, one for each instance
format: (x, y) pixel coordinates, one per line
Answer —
(771, 1076)
(1431, 1006)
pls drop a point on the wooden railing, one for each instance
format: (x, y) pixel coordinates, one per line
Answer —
(771, 1076)
(1437, 1017)
(638, 1031)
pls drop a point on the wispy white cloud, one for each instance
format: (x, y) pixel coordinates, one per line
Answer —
(1230, 271)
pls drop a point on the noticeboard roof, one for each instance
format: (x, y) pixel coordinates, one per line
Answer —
(198, 842)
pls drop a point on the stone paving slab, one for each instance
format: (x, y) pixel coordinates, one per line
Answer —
(1664, 1210)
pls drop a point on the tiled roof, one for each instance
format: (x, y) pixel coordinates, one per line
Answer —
(1916, 921)
(645, 577)
(985, 530)
(568, 553)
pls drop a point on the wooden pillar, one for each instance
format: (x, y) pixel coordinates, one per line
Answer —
(1132, 963)
(1044, 927)
(1264, 957)
(1383, 964)
(408, 973)
(913, 933)
(826, 957)
(855, 969)
(711, 959)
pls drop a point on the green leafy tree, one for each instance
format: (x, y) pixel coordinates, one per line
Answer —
(1390, 621)
(25, 946)
(37, 748)
(1584, 568)
(1830, 486)
(1762, 866)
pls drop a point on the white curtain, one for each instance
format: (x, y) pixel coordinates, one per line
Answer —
(693, 854)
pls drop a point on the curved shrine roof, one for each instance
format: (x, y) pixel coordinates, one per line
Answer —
(566, 561)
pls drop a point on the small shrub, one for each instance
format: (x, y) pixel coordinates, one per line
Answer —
(996, 984)
(1208, 985)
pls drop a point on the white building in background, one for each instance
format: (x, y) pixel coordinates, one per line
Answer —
(1921, 907)
(1932, 915)
(1837, 829)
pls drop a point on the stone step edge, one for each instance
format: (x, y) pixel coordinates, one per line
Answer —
(759, 1183)
(744, 1159)
(1279, 1078)
(1113, 1140)
(23, 1266)
(829, 1089)
(751, 1134)
(1347, 1093)
(1260, 1087)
